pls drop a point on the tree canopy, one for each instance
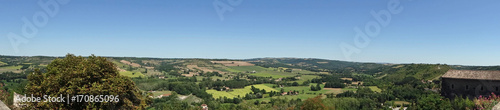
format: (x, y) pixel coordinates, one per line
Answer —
(94, 75)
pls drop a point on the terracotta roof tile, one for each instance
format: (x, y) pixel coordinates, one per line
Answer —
(473, 74)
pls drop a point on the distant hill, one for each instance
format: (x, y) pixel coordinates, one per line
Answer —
(425, 71)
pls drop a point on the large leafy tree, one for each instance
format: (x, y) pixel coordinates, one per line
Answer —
(74, 75)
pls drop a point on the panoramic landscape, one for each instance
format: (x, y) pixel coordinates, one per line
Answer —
(259, 83)
(249, 55)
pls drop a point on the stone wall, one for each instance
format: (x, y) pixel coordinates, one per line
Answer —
(468, 87)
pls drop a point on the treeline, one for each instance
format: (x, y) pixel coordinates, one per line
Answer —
(12, 76)
(183, 87)
(218, 84)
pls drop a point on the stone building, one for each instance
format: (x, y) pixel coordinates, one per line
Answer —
(470, 83)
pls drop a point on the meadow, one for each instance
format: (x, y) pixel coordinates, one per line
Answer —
(157, 93)
(10, 68)
(131, 73)
(375, 89)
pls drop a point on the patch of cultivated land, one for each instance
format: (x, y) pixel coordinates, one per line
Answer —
(2, 63)
(191, 74)
(130, 63)
(236, 92)
(10, 68)
(157, 93)
(334, 90)
(204, 69)
(260, 71)
(132, 73)
(233, 63)
(350, 79)
(375, 89)
(247, 68)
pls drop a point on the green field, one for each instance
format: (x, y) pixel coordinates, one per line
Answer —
(246, 68)
(350, 89)
(12, 67)
(118, 64)
(236, 92)
(375, 89)
(130, 73)
(157, 93)
(9, 68)
(2, 63)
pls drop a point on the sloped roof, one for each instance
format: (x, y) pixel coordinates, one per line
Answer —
(472, 74)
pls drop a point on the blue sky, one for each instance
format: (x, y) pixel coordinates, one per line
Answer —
(447, 31)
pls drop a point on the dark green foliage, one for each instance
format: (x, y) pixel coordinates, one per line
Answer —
(433, 102)
(334, 85)
(84, 76)
(460, 103)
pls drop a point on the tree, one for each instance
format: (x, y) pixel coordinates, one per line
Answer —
(314, 104)
(433, 102)
(295, 84)
(313, 88)
(318, 87)
(305, 83)
(84, 76)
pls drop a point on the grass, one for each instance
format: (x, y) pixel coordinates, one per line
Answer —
(192, 98)
(138, 71)
(375, 89)
(130, 73)
(236, 92)
(157, 93)
(10, 68)
(349, 89)
(246, 68)
(399, 103)
(119, 64)
(2, 63)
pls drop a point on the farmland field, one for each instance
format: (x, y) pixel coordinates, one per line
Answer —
(10, 68)
(246, 68)
(236, 92)
(3, 63)
(130, 73)
(375, 89)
